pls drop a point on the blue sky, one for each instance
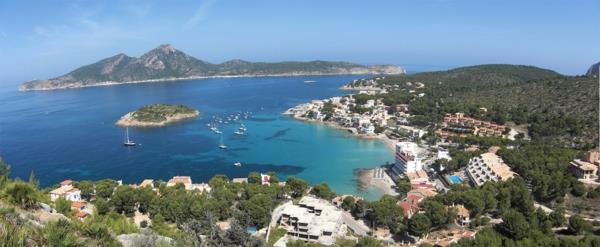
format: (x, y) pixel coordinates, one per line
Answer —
(41, 39)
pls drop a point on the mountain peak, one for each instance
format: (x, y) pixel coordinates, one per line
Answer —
(166, 48)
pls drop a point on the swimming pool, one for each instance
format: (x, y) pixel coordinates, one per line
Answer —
(455, 179)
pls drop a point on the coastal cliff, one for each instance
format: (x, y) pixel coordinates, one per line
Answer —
(157, 115)
(165, 63)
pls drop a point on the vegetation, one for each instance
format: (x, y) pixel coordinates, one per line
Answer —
(557, 108)
(545, 167)
(160, 112)
(322, 190)
(275, 234)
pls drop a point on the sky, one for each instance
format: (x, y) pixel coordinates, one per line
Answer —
(43, 39)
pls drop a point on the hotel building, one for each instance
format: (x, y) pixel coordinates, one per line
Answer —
(488, 167)
(407, 160)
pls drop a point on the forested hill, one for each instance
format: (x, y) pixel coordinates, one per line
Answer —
(593, 70)
(166, 63)
(484, 75)
(558, 108)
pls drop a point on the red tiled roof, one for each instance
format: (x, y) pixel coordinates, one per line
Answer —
(81, 214)
(414, 199)
(407, 207)
(78, 205)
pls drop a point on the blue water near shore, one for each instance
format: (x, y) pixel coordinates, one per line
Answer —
(71, 133)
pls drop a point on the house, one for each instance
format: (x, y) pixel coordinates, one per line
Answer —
(78, 206)
(185, 180)
(408, 208)
(586, 168)
(462, 216)
(67, 191)
(81, 209)
(410, 204)
(583, 169)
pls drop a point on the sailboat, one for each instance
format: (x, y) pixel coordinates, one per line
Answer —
(222, 146)
(241, 130)
(128, 142)
(215, 129)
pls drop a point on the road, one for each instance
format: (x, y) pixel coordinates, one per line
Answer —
(356, 226)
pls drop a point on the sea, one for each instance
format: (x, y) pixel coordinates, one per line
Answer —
(71, 134)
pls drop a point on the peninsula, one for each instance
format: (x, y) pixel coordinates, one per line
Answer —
(165, 63)
(157, 115)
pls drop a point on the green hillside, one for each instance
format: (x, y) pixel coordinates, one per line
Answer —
(558, 108)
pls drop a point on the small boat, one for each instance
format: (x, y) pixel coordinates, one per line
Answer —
(239, 132)
(222, 146)
(237, 164)
(309, 81)
(127, 141)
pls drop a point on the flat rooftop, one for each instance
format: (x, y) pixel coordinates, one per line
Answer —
(497, 165)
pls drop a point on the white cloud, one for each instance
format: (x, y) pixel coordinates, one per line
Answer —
(200, 14)
(87, 30)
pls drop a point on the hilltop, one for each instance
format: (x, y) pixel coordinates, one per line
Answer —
(167, 63)
(157, 115)
(555, 107)
(593, 70)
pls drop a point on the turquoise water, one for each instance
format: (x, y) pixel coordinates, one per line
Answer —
(71, 133)
(455, 179)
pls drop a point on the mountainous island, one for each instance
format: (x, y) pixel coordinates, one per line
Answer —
(157, 115)
(167, 63)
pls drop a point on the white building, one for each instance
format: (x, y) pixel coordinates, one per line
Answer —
(312, 220)
(67, 191)
(488, 167)
(407, 160)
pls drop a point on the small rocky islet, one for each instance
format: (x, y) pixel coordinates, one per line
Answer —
(157, 115)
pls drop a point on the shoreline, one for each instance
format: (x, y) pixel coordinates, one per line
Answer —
(389, 143)
(128, 121)
(114, 83)
(365, 178)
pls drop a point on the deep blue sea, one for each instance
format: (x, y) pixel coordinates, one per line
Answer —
(71, 133)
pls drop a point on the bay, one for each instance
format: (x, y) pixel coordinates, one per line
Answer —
(71, 133)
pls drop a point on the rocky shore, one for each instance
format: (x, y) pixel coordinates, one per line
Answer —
(51, 84)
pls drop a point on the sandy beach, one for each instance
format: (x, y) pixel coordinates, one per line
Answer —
(366, 178)
(391, 144)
